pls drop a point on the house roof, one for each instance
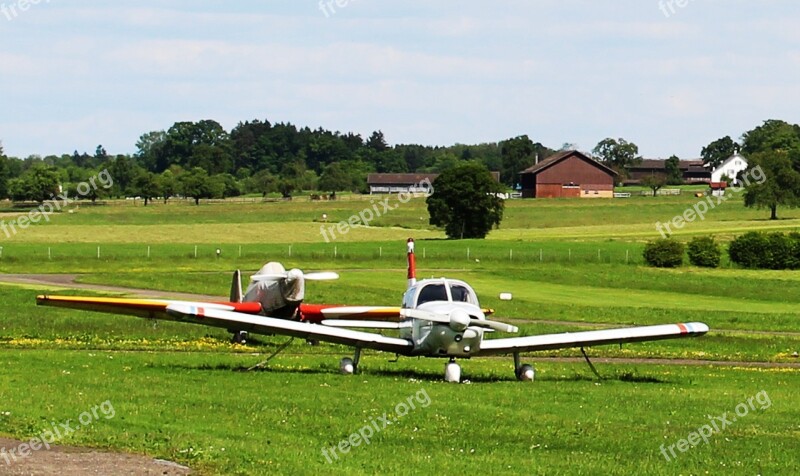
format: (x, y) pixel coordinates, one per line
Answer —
(730, 159)
(661, 164)
(393, 179)
(561, 156)
(408, 179)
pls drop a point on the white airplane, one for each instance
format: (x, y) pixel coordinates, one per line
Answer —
(437, 318)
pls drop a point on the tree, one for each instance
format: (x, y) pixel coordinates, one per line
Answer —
(781, 184)
(150, 149)
(37, 184)
(772, 135)
(377, 142)
(464, 201)
(654, 182)
(261, 182)
(718, 151)
(196, 184)
(673, 169)
(517, 154)
(773, 149)
(336, 177)
(5, 173)
(226, 186)
(146, 185)
(618, 154)
(168, 185)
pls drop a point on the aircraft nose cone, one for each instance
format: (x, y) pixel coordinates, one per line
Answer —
(459, 320)
(294, 274)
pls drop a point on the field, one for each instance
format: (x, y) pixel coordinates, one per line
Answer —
(185, 394)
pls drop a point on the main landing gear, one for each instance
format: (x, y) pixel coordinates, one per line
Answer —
(349, 366)
(524, 372)
(239, 337)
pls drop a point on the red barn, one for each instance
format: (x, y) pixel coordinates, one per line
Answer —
(568, 174)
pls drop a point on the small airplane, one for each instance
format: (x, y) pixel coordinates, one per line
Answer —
(438, 318)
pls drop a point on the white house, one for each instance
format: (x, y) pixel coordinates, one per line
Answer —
(730, 168)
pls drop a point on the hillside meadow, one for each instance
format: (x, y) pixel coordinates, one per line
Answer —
(184, 393)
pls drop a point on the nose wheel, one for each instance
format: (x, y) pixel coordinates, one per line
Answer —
(452, 372)
(523, 372)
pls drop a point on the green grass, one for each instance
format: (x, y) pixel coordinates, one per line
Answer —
(202, 411)
(180, 392)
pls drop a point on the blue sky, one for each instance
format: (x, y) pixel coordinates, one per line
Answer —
(75, 74)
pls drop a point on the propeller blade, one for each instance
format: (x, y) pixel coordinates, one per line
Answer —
(494, 325)
(425, 315)
(321, 276)
(268, 277)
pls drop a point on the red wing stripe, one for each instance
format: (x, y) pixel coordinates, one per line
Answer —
(683, 329)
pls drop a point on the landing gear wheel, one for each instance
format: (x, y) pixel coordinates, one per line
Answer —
(525, 373)
(346, 366)
(239, 337)
(452, 372)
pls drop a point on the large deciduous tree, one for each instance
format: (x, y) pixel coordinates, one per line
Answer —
(780, 184)
(517, 154)
(146, 185)
(773, 152)
(673, 168)
(37, 184)
(196, 184)
(654, 182)
(718, 151)
(618, 154)
(465, 202)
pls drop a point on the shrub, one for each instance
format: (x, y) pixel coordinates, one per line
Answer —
(779, 251)
(793, 261)
(749, 250)
(704, 251)
(664, 253)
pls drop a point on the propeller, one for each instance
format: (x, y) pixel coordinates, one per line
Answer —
(295, 273)
(458, 320)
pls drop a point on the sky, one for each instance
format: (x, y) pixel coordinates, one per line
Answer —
(668, 75)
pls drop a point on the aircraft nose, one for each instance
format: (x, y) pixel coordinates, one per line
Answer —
(459, 320)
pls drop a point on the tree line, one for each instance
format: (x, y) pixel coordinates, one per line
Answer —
(203, 160)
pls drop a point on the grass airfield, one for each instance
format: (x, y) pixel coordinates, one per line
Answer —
(184, 393)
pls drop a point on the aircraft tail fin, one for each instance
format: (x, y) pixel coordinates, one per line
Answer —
(412, 264)
(236, 286)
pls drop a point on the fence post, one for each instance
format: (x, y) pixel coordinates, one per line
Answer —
(195, 251)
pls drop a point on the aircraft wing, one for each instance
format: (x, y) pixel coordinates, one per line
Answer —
(590, 338)
(150, 308)
(269, 325)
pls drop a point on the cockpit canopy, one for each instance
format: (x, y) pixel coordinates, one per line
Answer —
(447, 290)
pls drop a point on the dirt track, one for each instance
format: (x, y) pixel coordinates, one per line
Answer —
(67, 461)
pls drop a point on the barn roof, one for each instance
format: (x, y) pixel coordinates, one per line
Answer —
(408, 179)
(394, 179)
(561, 156)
